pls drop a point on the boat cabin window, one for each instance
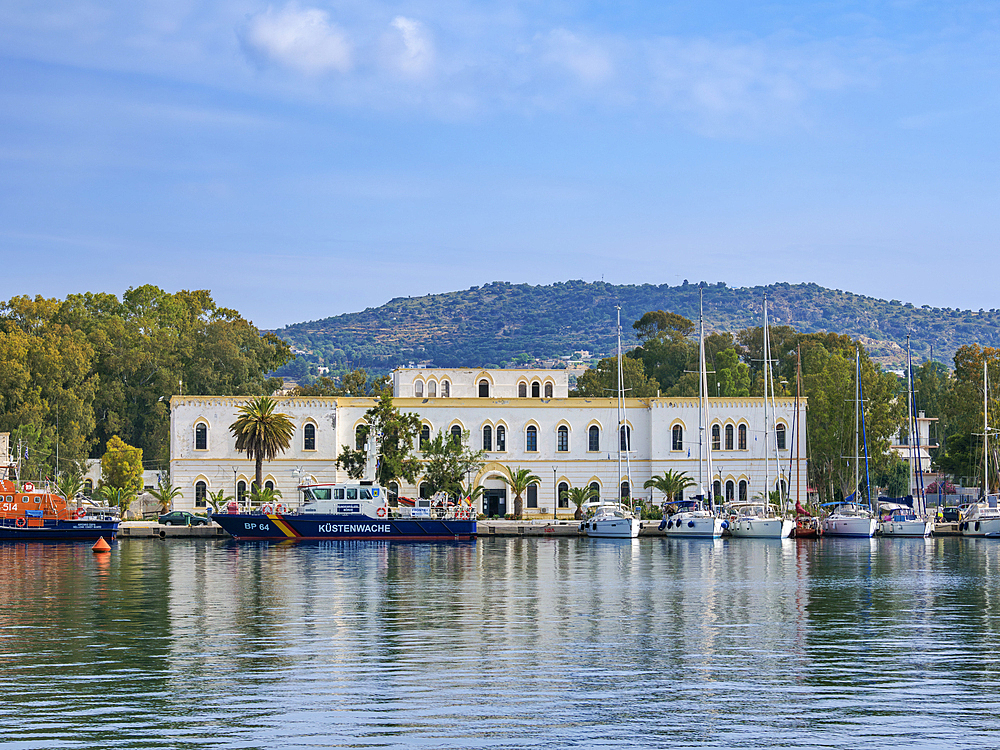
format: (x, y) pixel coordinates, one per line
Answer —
(366, 494)
(338, 494)
(320, 493)
(352, 493)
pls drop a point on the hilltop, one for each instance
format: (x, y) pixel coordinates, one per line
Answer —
(503, 323)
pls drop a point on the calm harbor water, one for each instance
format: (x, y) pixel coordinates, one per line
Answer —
(502, 643)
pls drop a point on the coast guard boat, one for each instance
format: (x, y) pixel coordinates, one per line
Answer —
(38, 515)
(357, 510)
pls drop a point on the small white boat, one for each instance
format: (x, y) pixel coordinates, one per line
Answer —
(850, 519)
(690, 519)
(981, 519)
(611, 521)
(752, 521)
(900, 520)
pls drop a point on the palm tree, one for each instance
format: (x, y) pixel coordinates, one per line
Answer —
(69, 485)
(266, 496)
(219, 499)
(118, 497)
(519, 480)
(165, 494)
(578, 496)
(670, 483)
(261, 433)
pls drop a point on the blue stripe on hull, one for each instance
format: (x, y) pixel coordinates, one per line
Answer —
(59, 531)
(258, 527)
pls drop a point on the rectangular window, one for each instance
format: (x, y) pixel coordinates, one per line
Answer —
(533, 496)
(562, 440)
(487, 438)
(338, 494)
(531, 440)
(352, 493)
(501, 439)
(594, 439)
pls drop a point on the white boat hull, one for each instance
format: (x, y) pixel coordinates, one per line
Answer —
(849, 526)
(906, 528)
(983, 527)
(612, 528)
(705, 527)
(762, 528)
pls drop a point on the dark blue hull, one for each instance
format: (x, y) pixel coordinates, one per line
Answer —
(58, 531)
(246, 526)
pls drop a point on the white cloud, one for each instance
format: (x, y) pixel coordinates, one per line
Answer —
(414, 50)
(299, 38)
(586, 59)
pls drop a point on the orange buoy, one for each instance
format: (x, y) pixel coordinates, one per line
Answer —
(101, 546)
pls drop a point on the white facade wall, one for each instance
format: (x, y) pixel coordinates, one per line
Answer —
(466, 383)
(652, 451)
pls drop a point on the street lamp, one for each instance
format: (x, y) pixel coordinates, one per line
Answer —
(555, 489)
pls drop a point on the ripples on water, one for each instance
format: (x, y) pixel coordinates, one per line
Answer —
(501, 643)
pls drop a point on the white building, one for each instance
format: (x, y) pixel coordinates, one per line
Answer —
(917, 454)
(520, 418)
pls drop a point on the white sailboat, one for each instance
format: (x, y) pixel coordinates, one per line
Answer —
(851, 516)
(898, 519)
(616, 520)
(690, 517)
(756, 519)
(982, 518)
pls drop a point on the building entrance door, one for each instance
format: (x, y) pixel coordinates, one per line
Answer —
(495, 503)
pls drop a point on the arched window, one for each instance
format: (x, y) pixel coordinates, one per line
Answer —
(594, 438)
(783, 488)
(200, 493)
(729, 437)
(532, 495)
(269, 485)
(716, 488)
(531, 439)
(393, 493)
(625, 490)
(743, 491)
(418, 389)
(432, 389)
(561, 494)
(487, 438)
(425, 436)
(548, 390)
(241, 491)
(562, 439)
(597, 490)
(779, 436)
(522, 390)
(742, 437)
(716, 438)
(360, 436)
(456, 434)
(309, 437)
(425, 491)
(88, 487)
(730, 491)
(201, 437)
(445, 389)
(677, 438)
(501, 438)
(484, 388)
(535, 390)
(625, 437)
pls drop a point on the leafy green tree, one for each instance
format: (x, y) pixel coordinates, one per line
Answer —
(519, 480)
(261, 433)
(117, 497)
(448, 461)
(121, 468)
(578, 496)
(893, 476)
(731, 375)
(353, 383)
(602, 381)
(69, 484)
(395, 433)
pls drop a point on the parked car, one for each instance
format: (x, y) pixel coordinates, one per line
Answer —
(950, 515)
(182, 518)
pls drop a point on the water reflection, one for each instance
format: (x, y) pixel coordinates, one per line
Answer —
(501, 643)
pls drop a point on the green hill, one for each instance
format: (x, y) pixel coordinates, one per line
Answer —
(502, 323)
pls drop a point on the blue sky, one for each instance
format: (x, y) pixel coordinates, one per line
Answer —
(311, 158)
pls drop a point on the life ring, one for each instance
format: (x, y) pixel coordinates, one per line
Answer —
(280, 508)
(380, 513)
(19, 522)
(80, 513)
(29, 487)
(266, 508)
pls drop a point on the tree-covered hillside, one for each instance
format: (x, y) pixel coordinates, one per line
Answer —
(500, 322)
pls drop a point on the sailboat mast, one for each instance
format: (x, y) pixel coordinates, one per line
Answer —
(621, 398)
(986, 431)
(909, 415)
(767, 426)
(704, 450)
(857, 420)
